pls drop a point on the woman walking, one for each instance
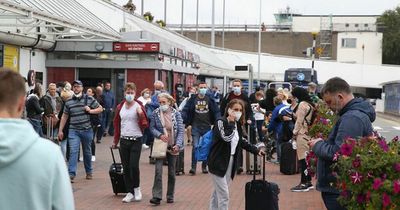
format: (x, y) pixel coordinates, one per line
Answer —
(166, 124)
(34, 110)
(222, 160)
(129, 122)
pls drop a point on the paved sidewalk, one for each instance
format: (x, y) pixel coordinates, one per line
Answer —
(191, 192)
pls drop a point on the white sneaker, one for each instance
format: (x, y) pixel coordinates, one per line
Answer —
(144, 146)
(93, 158)
(128, 198)
(138, 194)
(81, 159)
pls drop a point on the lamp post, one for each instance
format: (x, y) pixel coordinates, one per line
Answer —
(142, 7)
(314, 35)
(182, 19)
(165, 11)
(223, 25)
(259, 50)
(213, 24)
(197, 20)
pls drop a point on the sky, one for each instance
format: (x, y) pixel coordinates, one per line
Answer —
(247, 11)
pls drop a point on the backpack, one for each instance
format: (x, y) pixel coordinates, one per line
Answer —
(204, 146)
(314, 112)
(287, 125)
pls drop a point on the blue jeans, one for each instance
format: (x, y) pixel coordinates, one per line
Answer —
(37, 126)
(330, 201)
(197, 132)
(75, 137)
(278, 143)
(107, 122)
(260, 124)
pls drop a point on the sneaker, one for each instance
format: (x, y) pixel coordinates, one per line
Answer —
(192, 172)
(89, 176)
(81, 159)
(309, 185)
(300, 188)
(98, 141)
(128, 198)
(170, 200)
(138, 194)
(155, 201)
(144, 146)
(205, 171)
(93, 158)
(71, 178)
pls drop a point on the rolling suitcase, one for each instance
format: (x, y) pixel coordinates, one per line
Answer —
(288, 162)
(180, 163)
(261, 194)
(117, 176)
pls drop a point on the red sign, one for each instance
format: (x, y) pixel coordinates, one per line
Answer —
(135, 47)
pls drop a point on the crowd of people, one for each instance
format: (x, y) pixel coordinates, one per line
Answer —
(70, 117)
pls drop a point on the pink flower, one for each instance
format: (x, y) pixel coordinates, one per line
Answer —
(377, 183)
(346, 149)
(336, 156)
(356, 177)
(369, 175)
(396, 186)
(396, 167)
(383, 145)
(356, 163)
(345, 193)
(360, 198)
(385, 200)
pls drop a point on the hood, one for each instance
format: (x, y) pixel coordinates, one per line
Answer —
(32, 95)
(16, 136)
(362, 106)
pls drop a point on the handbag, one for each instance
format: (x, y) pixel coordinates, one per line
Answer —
(159, 149)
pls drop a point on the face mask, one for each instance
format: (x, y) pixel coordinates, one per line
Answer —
(236, 90)
(129, 97)
(164, 107)
(157, 92)
(202, 91)
(146, 95)
(238, 115)
(77, 96)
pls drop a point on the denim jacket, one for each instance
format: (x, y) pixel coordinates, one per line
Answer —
(157, 128)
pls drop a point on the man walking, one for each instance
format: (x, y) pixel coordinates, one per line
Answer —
(200, 112)
(78, 109)
(109, 104)
(355, 117)
(32, 170)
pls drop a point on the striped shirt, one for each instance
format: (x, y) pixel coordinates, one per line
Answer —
(75, 108)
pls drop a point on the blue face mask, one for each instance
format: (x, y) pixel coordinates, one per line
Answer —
(237, 90)
(203, 91)
(129, 97)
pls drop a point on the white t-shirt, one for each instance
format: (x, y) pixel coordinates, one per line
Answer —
(258, 115)
(234, 142)
(129, 121)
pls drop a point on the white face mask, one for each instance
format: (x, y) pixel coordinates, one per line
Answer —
(237, 90)
(146, 95)
(237, 114)
(164, 107)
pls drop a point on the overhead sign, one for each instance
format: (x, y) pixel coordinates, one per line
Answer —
(179, 53)
(135, 47)
(242, 68)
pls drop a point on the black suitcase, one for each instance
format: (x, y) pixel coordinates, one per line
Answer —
(180, 163)
(288, 162)
(117, 176)
(261, 194)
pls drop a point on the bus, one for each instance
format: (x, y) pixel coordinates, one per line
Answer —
(300, 77)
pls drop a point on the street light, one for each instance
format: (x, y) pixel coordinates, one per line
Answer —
(213, 25)
(314, 35)
(259, 50)
(223, 25)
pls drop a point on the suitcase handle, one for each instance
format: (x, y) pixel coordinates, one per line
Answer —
(112, 154)
(255, 168)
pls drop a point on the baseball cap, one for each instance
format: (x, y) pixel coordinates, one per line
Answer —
(77, 82)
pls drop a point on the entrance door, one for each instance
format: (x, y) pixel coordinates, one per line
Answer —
(118, 83)
(92, 77)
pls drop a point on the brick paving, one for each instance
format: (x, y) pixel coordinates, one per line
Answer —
(191, 192)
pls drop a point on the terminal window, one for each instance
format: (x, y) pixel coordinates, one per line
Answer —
(349, 43)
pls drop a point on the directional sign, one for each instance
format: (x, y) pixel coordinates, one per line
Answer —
(242, 68)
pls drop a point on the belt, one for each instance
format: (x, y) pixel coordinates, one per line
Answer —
(130, 138)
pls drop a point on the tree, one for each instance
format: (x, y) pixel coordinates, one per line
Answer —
(130, 7)
(390, 23)
(148, 16)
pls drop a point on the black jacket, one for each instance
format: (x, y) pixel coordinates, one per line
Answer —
(355, 120)
(33, 108)
(220, 152)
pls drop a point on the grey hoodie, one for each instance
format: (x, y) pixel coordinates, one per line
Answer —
(32, 170)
